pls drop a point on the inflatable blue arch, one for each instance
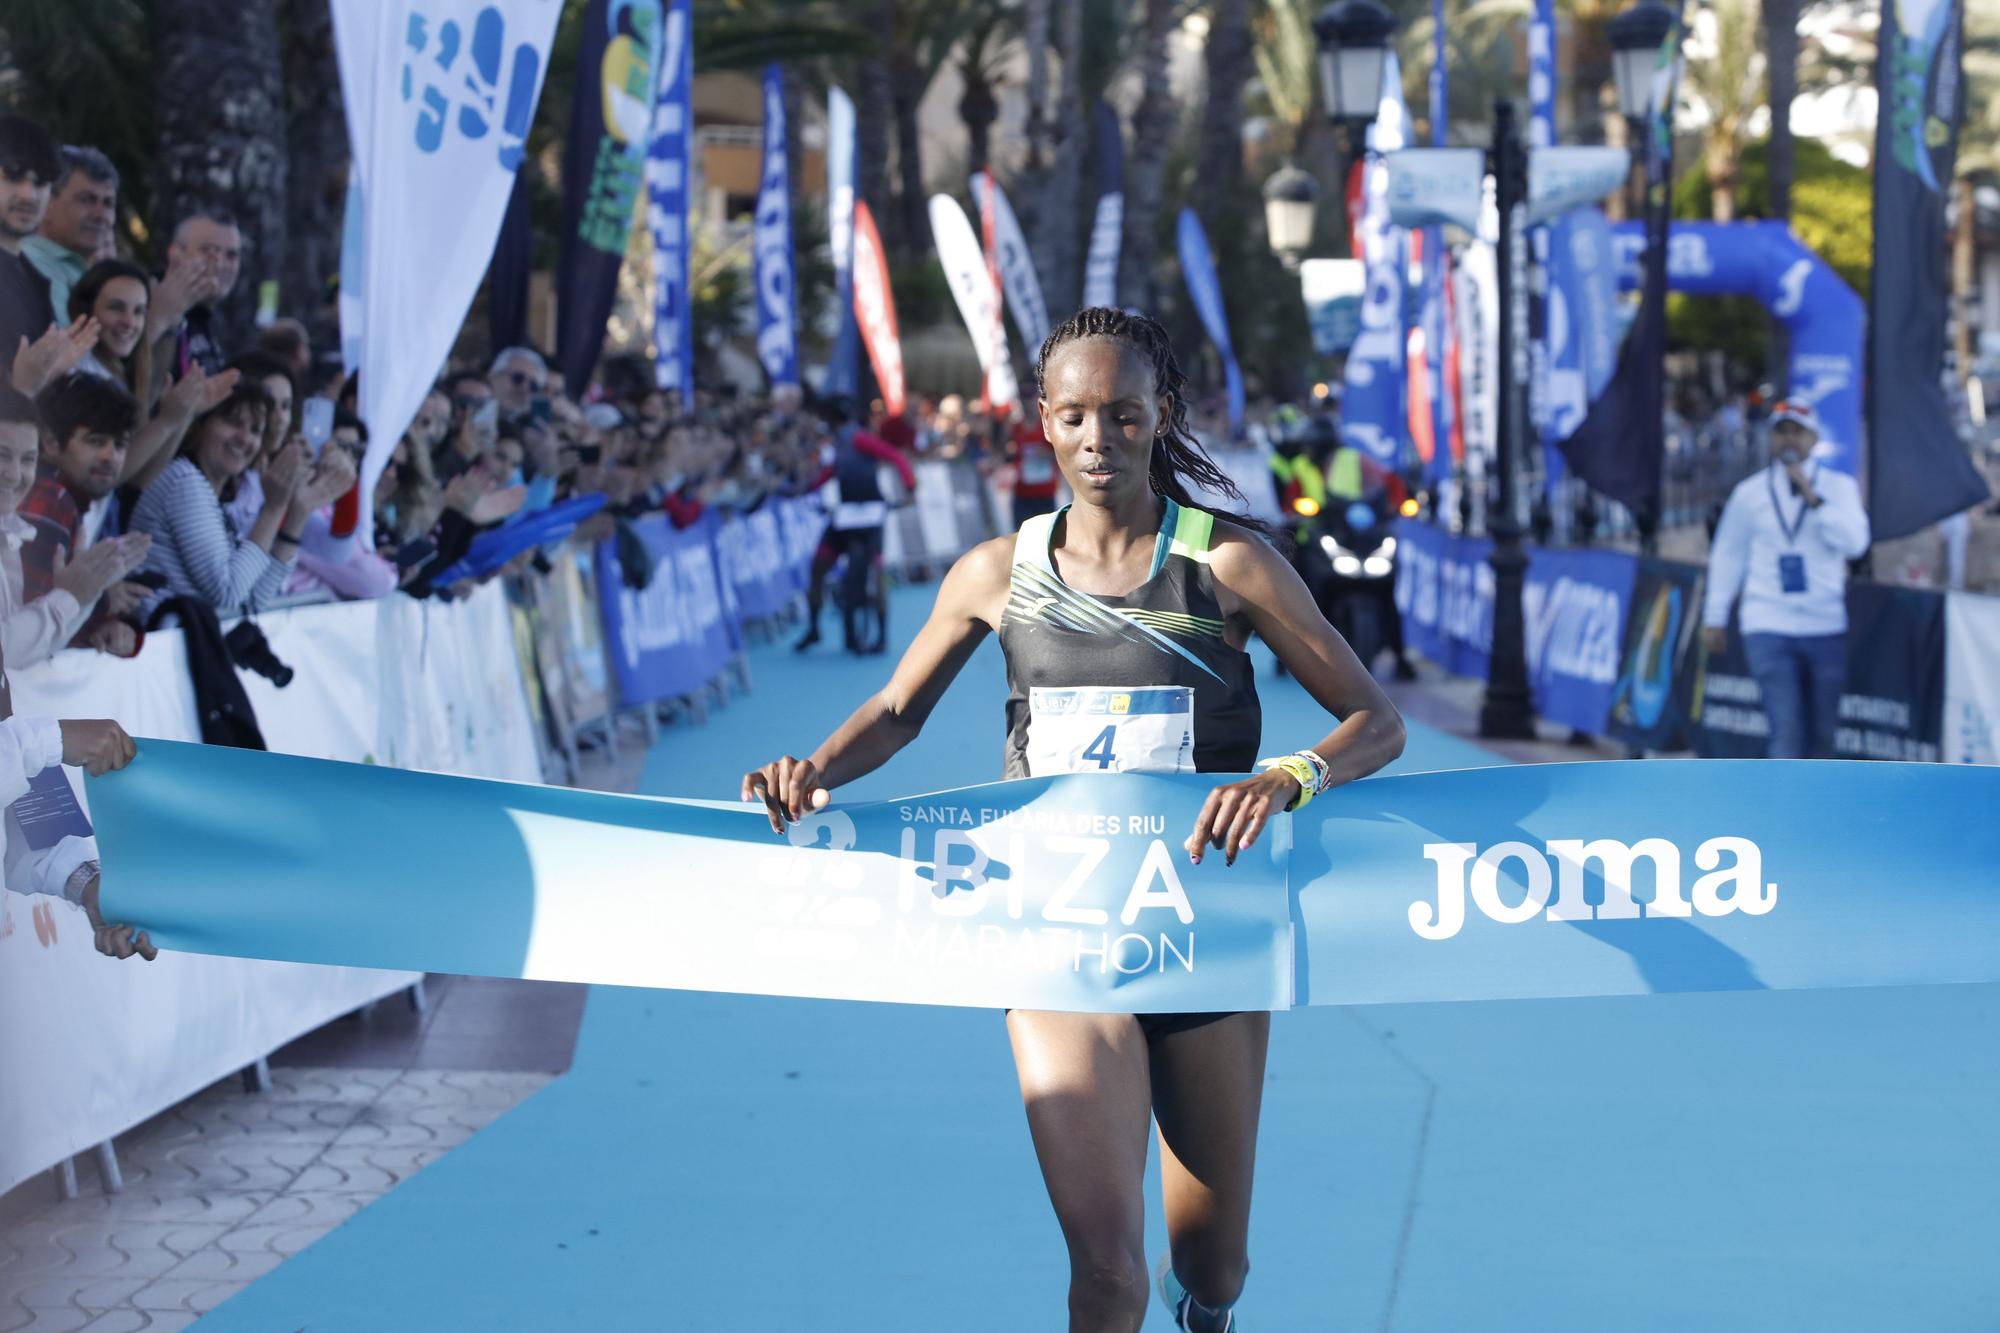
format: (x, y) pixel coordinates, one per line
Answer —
(1822, 314)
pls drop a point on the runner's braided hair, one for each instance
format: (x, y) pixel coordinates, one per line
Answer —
(1178, 457)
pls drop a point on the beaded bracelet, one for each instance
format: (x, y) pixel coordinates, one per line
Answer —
(1301, 771)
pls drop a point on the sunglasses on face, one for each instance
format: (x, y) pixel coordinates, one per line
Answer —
(518, 377)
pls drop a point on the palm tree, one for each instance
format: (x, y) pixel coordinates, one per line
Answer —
(981, 58)
(1229, 58)
(1781, 51)
(316, 149)
(219, 103)
(1152, 134)
(1726, 83)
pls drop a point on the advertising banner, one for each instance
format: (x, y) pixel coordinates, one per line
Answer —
(1107, 227)
(842, 377)
(439, 98)
(1655, 690)
(1072, 893)
(875, 310)
(670, 637)
(1971, 732)
(1918, 470)
(777, 297)
(668, 162)
(977, 295)
(1444, 589)
(1205, 290)
(1333, 290)
(604, 168)
(1893, 706)
(1017, 266)
(1373, 410)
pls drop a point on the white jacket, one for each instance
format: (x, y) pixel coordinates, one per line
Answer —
(1751, 539)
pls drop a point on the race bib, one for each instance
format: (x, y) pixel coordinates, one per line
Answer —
(1142, 729)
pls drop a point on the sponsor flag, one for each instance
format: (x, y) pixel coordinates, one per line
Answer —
(1008, 250)
(841, 377)
(1205, 288)
(611, 121)
(1433, 318)
(1107, 229)
(1621, 444)
(439, 101)
(667, 165)
(1918, 470)
(1372, 412)
(977, 293)
(875, 310)
(777, 304)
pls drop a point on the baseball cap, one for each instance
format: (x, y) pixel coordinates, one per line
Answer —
(1800, 413)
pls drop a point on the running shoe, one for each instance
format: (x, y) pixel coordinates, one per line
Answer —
(1178, 1300)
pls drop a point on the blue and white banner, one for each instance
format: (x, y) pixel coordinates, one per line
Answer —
(439, 96)
(1432, 311)
(977, 295)
(1541, 137)
(1075, 893)
(777, 300)
(676, 634)
(1575, 603)
(667, 163)
(842, 366)
(1205, 289)
(1373, 418)
(493, 548)
(1107, 228)
(1582, 309)
(1018, 278)
(762, 568)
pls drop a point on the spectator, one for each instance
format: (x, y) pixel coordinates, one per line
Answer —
(478, 431)
(195, 547)
(203, 261)
(117, 294)
(287, 339)
(1783, 543)
(518, 377)
(33, 348)
(469, 391)
(34, 627)
(76, 230)
(330, 557)
(87, 424)
(1035, 476)
(270, 375)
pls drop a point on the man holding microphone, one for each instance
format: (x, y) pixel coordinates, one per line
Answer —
(1783, 545)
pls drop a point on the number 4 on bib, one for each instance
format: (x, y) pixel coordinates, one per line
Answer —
(1099, 751)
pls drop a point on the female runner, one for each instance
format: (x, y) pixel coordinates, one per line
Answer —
(1132, 586)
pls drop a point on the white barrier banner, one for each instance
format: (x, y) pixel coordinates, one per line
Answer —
(1971, 679)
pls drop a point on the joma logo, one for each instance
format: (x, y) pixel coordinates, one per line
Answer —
(1733, 882)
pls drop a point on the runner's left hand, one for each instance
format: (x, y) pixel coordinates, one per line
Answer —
(1235, 813)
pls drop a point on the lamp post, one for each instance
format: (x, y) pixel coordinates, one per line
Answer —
(1354, 40)
(1507, 712)
(1290, 198)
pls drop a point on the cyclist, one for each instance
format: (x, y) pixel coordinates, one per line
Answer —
(855, 526)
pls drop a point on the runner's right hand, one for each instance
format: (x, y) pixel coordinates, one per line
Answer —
(788, 788)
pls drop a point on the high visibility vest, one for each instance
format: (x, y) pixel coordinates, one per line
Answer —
(1343, 475)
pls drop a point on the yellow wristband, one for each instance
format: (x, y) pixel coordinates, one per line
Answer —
(1299, 771)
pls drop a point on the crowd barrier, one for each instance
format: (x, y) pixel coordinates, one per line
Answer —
(1615, 649)
(91, 1047)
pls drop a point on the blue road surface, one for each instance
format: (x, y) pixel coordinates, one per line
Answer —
(1750, 1161)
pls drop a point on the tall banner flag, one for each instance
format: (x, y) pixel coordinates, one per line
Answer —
(977, 295)
(1372, 414)
(777, 301)
(1542, 134)
(1621, 445)
(667, 162)
(842, 379)
(1918, 471)
(611, 122)
(1436, 327)
(1018, 278)
(875, 310)
(1107, 229)
(513, 262)
(1582, 315)
(1198, 268)
(439, 99)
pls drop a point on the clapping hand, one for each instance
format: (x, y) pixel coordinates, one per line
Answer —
(331, 477)
(56, 353)
(285, 472)
(187, 284)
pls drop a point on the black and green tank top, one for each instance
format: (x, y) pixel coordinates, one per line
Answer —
(1140, 683)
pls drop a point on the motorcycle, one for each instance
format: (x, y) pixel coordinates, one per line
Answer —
(1353, 563)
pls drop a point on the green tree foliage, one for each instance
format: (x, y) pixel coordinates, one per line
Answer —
(1832, 214)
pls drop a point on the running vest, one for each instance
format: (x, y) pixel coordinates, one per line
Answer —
(1141, 683)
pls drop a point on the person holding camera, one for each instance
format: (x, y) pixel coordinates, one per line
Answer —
(196, 547)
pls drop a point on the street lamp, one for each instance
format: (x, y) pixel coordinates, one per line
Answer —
(1355, 38)
(1290, 198)
(1636, 36)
